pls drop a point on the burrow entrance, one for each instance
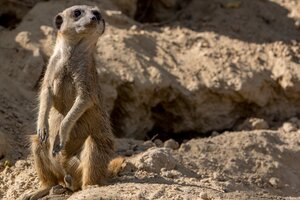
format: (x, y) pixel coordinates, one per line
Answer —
(151, 11)
(9, 20)
(164, 116)
(12, 12)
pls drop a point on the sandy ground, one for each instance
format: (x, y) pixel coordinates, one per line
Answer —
(233, 165)
(249, 81)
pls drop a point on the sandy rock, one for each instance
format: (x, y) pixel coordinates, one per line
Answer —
(148, 144)
(203, 196)
(128, 7)
(218, 176)
(158, 143)
(129, 146)
(274, 182)
(295, 121)
(22, 164)
(33, 63)
(184, 147)
(170, 173)
(172, 144)
(145, 72)
(153, 160)
(143, 147)
(214, 134)
(253, 124)
(288, 127)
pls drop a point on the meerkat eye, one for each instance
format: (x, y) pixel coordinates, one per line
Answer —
(77, 13)
(97, 14)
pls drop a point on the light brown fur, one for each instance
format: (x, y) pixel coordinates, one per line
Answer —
(74, 145)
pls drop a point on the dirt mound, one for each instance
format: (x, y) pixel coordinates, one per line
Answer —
(234, 165)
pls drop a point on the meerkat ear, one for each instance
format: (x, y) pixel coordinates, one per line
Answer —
(58, 20)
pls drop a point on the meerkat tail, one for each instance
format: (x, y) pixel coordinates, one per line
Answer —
(115, 166)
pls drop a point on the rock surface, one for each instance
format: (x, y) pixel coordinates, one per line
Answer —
(253, 124)
(196, 75)
(234, 165)
(154, 160)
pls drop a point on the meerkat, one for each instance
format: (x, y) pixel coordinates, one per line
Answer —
(74, 142)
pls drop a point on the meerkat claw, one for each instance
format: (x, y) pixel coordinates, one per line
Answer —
(40, 136)
(56, 149)
(43, 135)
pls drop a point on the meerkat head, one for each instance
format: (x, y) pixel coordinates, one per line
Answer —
(80, 21)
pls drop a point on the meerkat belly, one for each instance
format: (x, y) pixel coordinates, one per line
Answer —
(63, 98)
(64, 95)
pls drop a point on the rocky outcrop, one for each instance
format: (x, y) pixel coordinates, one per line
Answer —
(194, 74)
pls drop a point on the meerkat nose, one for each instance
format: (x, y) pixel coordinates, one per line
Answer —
(97, 15)
(94, 18)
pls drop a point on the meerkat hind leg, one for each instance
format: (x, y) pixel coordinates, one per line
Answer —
(72, 177)
(94, 161)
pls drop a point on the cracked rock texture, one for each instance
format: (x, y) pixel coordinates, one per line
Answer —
(206, 70)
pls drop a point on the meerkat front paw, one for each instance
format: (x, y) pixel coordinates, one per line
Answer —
(57, 146)
(43, 132)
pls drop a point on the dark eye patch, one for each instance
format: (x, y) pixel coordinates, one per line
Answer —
(77, 13)
(97, 14)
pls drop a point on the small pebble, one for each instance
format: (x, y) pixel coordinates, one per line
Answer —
(274, 182)
(148, 144)
(158, 143)
(288, 127)
(185, 147)
(215, 133)
(253, 124)
(203, 196)
(297, 24)
(217, 176)
(295, 121)
(172, 144)
(171, 173)
(134, 27)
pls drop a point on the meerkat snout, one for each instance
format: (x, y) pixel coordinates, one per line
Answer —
(80, 19)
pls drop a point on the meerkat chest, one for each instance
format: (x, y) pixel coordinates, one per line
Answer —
(63, 89)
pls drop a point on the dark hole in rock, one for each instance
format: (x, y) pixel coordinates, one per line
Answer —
(158, 132)
(9, 20)
(152, 11)
(163, 127)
